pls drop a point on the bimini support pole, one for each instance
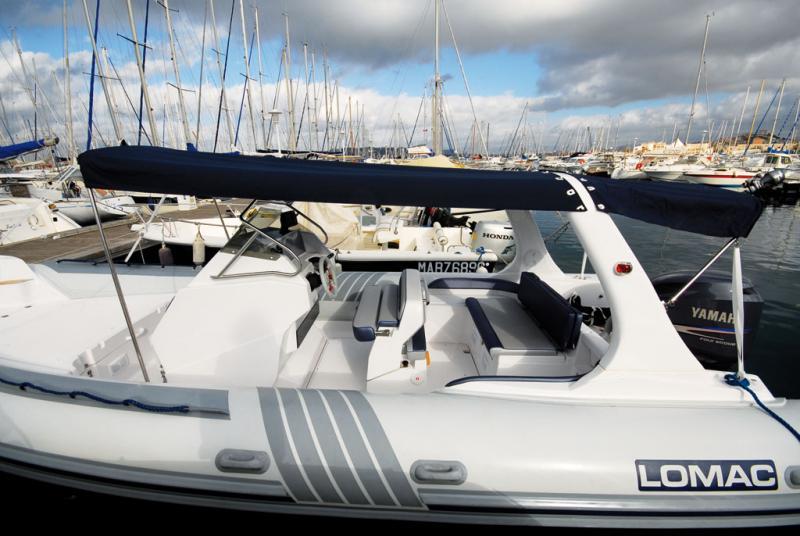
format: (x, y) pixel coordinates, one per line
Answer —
(740, 378)
(670, 302)
(117, 286)
(737, 289)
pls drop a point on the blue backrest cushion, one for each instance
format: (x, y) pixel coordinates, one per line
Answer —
(552, 312)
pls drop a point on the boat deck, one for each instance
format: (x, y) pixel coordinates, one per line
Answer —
(84, 243)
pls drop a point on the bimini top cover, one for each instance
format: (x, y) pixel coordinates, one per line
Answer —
(689, 207)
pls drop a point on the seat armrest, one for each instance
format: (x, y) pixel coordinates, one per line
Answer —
(366, 317)
(388, 310)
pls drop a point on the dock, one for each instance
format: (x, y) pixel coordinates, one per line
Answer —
(78, 244)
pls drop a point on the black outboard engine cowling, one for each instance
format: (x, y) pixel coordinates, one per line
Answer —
(703, 315)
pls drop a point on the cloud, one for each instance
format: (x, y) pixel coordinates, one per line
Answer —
(589, 54)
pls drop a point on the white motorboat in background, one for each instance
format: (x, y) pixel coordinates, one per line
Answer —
(26, 219)
(725, 177)
(64, 191)
(675, 170)
(460, 397)
(630, 168)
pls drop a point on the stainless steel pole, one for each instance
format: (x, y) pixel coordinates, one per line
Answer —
(117, 286)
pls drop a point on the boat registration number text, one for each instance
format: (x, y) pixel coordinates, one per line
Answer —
(450, 266)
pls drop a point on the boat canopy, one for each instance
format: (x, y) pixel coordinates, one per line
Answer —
(8, 152)
(688, 207)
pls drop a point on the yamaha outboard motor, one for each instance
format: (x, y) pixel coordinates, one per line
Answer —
(778, 186)
(703, 315)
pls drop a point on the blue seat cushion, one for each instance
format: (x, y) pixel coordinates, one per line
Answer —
(485, 329)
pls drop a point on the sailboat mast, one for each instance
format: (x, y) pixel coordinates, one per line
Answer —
(436, 127)
(247, 76)
(144, 63)
(103, 60)
(68, 94)
(777, 112)
(200, 87)
(101, 72)
(326, 137)
(289, 90)
(25, 77)
(308, 99)
(187, 134)
(741, 116)
(143, 81)
(316, 100)
(223, 98)
(261, 82)
(699, 72)
(755, 114)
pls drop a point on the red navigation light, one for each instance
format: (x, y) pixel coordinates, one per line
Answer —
(623, 268)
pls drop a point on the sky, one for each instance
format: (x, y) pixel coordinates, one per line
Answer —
(624, 69)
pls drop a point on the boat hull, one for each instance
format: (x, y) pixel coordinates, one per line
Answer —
(732, 179)
(81, 212)
(344, 453)
(620, 173)
(668, 175)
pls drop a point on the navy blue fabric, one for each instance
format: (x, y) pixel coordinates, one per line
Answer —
(11, 151)
(487, 332)
(474, 283)
(690, 207)
(552, 312)
(419, 343)
(696, 208)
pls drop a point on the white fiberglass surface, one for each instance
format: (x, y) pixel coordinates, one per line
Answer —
(342, 365)
(52, 335)
(449, 361)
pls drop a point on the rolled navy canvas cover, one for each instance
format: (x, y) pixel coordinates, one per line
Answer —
(688, 207)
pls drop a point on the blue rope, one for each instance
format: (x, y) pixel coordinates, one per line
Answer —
(733, 380)
(24, 386)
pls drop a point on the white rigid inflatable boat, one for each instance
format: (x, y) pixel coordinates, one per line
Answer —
(477, 398)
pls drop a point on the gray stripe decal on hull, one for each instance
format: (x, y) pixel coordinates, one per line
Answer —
(306, 450)
(279, 444)
(331, 450)
(384, 453)
(357, 450)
